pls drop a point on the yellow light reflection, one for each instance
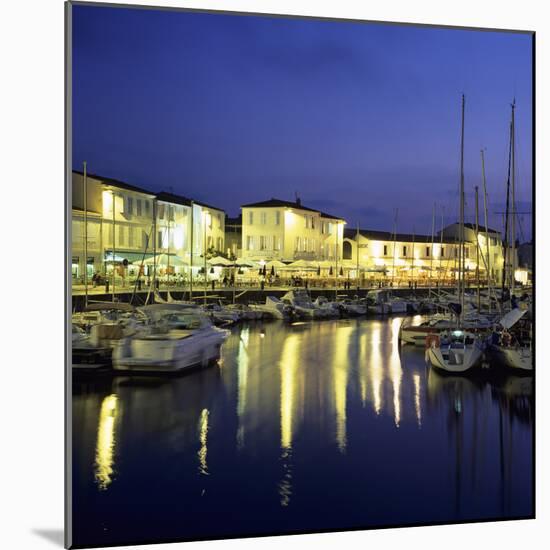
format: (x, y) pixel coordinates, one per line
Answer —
(203, 438)
(288, 368)
(105, 442)
(395, 371)
(340, 365)
(416, 380)
(376, 368)
(242, 377)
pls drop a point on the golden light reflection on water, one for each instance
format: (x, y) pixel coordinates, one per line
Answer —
(242, 377)
(417, 402)
(340, 364)
(105, 445)
(396, 372)
(288, 371)
(203, 438)
(376, 367)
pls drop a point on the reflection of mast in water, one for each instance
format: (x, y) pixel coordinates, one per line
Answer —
(340, 364)
(375, 366)
(105, 446)
(288, 370)
(395, 370)
(417, 406)
(203, 438)
(242, 377)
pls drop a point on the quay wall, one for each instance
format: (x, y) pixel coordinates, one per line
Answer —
(241, 296)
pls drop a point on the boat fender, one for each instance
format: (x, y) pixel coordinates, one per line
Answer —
(432, 341)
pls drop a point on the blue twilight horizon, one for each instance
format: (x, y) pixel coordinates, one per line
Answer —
(359, 119)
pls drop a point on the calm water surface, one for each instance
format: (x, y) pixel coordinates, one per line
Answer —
(310, 426)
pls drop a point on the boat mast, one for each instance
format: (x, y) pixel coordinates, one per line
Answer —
(432, 253)
(513, 269)
(191, 256)
(114, 235)
(412, 265)
(394, 239)
(477, 252)
(357, 241)
(461, 230)
(506, 221)
(85, 235)
(439, 280)
(155, 235)
(488, 266)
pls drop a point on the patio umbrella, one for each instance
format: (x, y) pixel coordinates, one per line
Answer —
(109, 258)
(220, 261)
(341, 271)
(330, 271)
(272, 270)
(318, 270)
(244, 263)
(163, 259)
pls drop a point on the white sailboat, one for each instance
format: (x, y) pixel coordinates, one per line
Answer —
(458, 350)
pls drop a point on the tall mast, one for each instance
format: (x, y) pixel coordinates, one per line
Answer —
(488, 266)
(114, 237)
(432, 252)
(191, 256)
(477, 252)
(357, 241)
(85, 235)
(441, 282)
(506, 221)
(394, 239)
(513, 262)
(461, 230)
(412, 262)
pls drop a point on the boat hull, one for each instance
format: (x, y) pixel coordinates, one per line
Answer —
(455, 360)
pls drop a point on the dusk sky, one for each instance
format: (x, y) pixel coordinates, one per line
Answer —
(359, 119)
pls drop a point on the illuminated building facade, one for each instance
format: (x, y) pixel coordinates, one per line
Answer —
(290, 231)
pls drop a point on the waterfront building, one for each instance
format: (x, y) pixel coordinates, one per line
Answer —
(120, 220)
(129, 224)
(289, 231)
(402, 258)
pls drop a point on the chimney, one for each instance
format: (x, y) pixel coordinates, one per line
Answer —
(298, 199)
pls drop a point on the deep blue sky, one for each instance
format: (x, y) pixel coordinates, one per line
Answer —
(358, 118)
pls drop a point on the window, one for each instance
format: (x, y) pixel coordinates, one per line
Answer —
(456, 252)
(405, 251)
(250, 218)
(138, 206)
(312, 222)
(466, 252)
(262, 242)
(329, 226)
(427, 252)
(442, 252)
(277, 217)
(220, 243)
(249, 243)
(130, 204)
(277, 243)
(146, 203)
(297, 248)
(120, 235)
(130, 236)
(171, 213)
(263, 218)
(385, 250)
(159, 240)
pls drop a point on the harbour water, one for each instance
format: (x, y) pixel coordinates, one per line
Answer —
(303, 427)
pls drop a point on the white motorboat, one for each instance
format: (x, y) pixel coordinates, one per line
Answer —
(382, 302)
(274, 308)
(302, 305)
(456, 351)
(105, 324)
(245, 312)
(354, 307)
(221, 315)
(180, 338)
(327, 308)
